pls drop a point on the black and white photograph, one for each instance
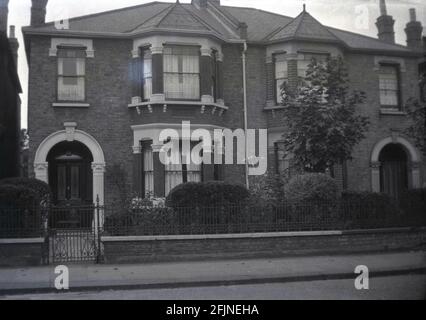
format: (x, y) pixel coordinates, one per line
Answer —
(212, 155)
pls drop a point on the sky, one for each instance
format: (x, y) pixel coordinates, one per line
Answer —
(353, 15)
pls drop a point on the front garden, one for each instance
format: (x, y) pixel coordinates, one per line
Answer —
(310, 202)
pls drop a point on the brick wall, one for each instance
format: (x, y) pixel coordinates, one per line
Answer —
(21, 254)
(254, 247)
(363, 77)
(109, 120)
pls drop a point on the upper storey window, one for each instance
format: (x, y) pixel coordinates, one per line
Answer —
(146, 74)
(306, 60)
(281, 75)
(389, 86)
(71, 74)
(182, 73)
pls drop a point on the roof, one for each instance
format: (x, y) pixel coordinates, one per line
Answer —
(221, 22)
(304, 26)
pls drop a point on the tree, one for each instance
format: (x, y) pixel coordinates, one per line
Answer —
(416, 110)
(322, 124)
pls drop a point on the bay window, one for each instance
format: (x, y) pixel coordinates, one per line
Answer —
(146, 74)
(306, 60)
(281, 75)
(71, 74)
(389, 86)
(181, 72)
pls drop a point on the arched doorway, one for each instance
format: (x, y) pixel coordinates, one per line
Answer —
(70, 173)
(395, 166)
(393, 170)
(71, 134)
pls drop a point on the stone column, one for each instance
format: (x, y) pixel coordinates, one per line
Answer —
(137, 171)
(157, 74)
(415, 175)
(375, 176)
(98, 182)
(41, 171)
(98, 193)
(206, 75)
(220, 79)
(159, 172)
(136, 76)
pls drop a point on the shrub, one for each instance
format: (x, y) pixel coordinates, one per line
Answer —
(40, 189)
(19, 214)
(204, 194)
(312, 187)
(370, 208)
(17, 196)
(143, 221)
(267, 190)
(413, 202)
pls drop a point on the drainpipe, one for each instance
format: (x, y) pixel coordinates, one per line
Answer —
(245, 114)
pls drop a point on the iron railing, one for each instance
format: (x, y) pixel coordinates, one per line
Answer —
(22, 222)
(219, 219)
(343, 215)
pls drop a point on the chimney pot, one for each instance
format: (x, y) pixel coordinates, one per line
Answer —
(383, 10)
(12, 32)
(413, 15)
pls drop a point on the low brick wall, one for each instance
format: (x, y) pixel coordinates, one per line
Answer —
(21, 252)
(186, 248)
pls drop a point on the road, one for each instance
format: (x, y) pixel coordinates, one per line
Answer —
(410, 287)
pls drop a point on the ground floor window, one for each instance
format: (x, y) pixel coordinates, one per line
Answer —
(147, 168)
(181, 172)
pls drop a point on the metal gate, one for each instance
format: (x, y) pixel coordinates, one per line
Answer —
(73, 234)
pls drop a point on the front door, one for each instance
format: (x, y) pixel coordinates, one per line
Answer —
(393, 171)
(70, 189)
(70, 174)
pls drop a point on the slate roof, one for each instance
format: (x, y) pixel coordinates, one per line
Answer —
(219, 21)
(304, 26)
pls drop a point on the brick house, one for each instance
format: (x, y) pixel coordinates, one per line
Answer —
(103, 87)
(10, 102)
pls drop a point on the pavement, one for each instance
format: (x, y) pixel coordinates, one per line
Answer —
(211, 273)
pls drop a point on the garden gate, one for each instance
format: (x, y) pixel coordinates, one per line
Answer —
(73, 234)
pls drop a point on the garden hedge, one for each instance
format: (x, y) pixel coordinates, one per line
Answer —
(40, 189)
(311, 187)
(205, 194)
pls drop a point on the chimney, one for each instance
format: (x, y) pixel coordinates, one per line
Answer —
(38, 12)
(14, 45)
(4, 11)
(385, 25)
(414, 31)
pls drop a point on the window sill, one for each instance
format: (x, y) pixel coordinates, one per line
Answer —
(177, 102)
(277, 107)
(70, 105)
(392, 112)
